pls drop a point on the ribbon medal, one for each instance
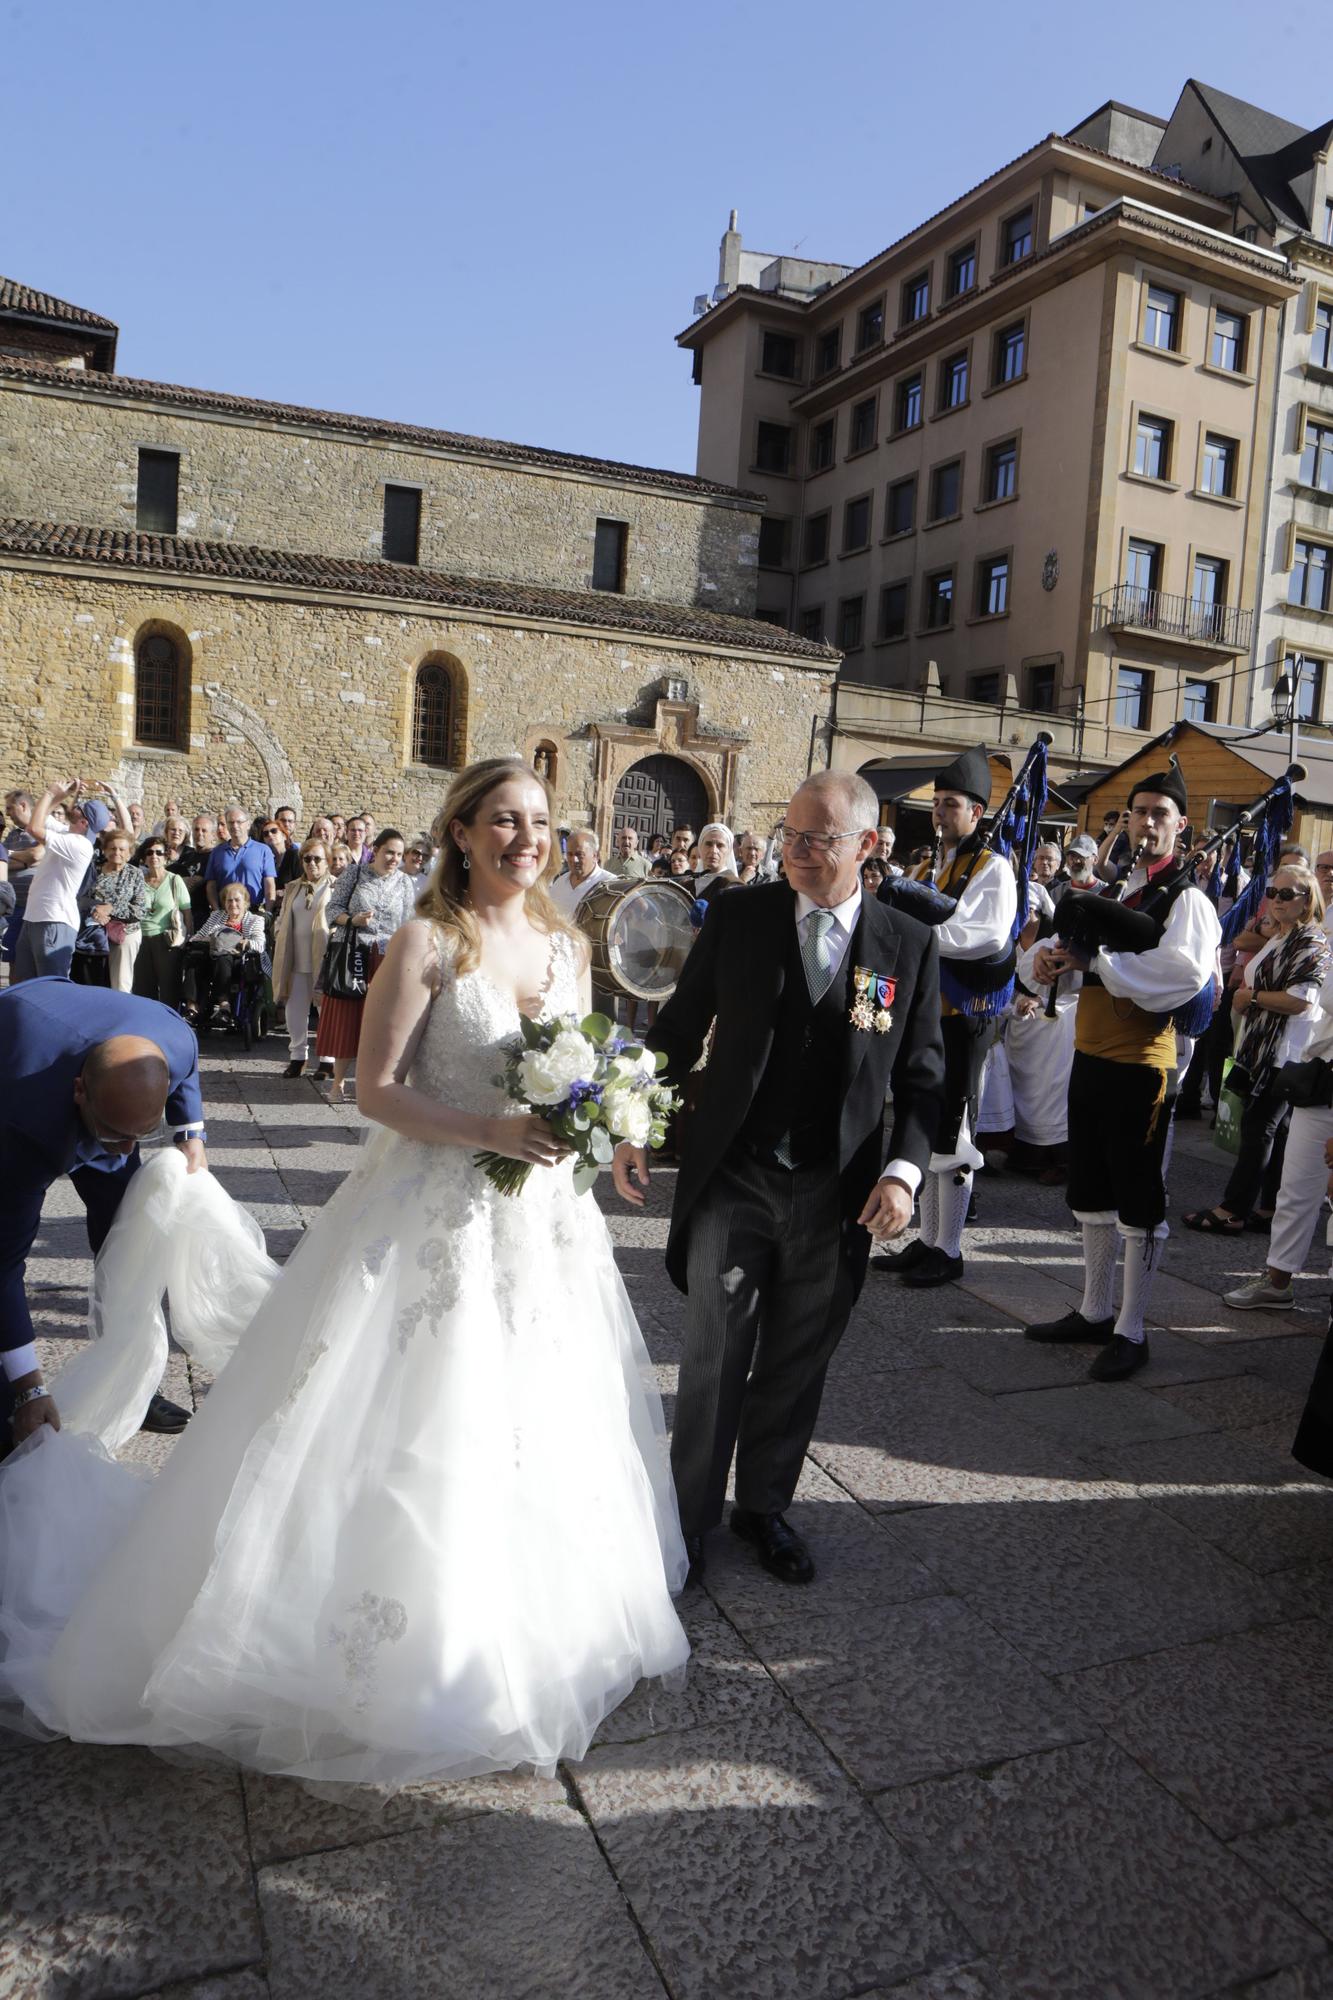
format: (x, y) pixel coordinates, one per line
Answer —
(874, 1000)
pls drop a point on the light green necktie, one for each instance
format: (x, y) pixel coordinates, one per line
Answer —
(817, 953)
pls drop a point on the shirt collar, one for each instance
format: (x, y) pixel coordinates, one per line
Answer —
(843, 914)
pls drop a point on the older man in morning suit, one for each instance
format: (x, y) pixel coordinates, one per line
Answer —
(823, 1002)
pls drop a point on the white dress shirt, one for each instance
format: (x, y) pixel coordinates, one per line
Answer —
(839, 937)
(567, 898)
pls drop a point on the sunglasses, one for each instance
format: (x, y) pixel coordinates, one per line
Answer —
(150, 851)
(1287, 895)
(312, 860)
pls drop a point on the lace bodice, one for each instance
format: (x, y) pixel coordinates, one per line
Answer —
(471, 1025)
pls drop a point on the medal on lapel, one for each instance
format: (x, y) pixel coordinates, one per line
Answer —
(873, 1002)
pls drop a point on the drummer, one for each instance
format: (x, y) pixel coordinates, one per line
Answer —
(583, 873)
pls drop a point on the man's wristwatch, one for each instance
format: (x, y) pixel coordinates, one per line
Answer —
(32, 1395)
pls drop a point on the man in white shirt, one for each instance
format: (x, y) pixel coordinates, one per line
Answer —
(51, 919)
(582, 873)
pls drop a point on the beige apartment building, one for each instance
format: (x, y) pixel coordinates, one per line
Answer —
(1016, 465)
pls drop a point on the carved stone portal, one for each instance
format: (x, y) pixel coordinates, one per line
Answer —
(675, 733)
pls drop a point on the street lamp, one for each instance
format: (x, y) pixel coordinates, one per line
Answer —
(1286, 703)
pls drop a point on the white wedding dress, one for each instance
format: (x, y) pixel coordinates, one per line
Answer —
(423, 1525)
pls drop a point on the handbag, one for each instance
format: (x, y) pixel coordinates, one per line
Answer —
(1308, 1085)
(176, 930)
(115, 931)
(343, 973)
(1230, 1108)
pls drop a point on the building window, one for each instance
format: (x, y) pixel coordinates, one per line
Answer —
(434, 717)
(1209, 596)
(828, 351)
(1321, 347)
(870, 326)
(815, 545)
(1161, 319)
(1042, 688)
(1228, 349)
(402, 524)
(1001, 476)
(161, 692)
(856, 524)
(1311, 570)
(610, 545)
(953, 382)
(1307, 677)
(781, 355)
(155, 507)
(1011, 354)
(900, 507)
(946, 491)
(1218, 469)
(893, 611)
(851, 624)
(811, 623)
(1152, 447)
(773, 448)
(1198, 701)
(823, 443)
(771, 615)
(863, 425)
(907, 404)
(915, 299)
(962, 270)
(1328, 222)
(939, 600)
(985, 688)
(774, 533)
(1143, 570)
(993, 587)
(1133, 698)
(1016, 238)
(1317, 457)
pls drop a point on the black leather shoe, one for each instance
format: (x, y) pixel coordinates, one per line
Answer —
(1120, 1359)
(781, 1550)
(168, 1418)
(1189, 1107)
(1071, 1327)
(895, 1262)
(293, 1069)
(934, 1269)
(694, 1549)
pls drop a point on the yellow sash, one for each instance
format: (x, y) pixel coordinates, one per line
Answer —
(1120, 1031)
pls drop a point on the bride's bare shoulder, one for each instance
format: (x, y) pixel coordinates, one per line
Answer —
(424, 950)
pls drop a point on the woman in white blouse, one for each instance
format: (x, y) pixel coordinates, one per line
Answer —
(298, 950)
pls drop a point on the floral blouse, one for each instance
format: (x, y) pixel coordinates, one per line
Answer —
(125, 890)
(388, 899)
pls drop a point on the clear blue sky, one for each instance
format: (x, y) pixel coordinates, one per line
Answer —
(494, 218)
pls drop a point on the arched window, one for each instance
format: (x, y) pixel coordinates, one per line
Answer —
(161, 692)
(437, 718)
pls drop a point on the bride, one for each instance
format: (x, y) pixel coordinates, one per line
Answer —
(423, 1525)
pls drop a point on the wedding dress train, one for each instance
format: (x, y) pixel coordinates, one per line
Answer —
(423, 1524)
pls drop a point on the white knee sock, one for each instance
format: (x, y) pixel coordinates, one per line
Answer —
(1143, 1253)
(1101, 1249)
(953, 1200)
(929, 1221)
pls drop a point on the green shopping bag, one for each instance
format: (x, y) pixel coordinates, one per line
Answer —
(1226, 1132)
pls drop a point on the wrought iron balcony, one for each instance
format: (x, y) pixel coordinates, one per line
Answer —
(1222, 628)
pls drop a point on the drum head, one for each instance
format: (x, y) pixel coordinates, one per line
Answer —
(641, 933)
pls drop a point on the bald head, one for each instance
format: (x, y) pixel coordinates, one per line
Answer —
(121, 1091)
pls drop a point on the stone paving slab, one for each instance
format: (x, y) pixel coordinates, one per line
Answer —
(1057, 1864)
(285, 1820)
(1313, 1981)
(1297, 1859)
(123, 1872)
(1252, 1501)
(755, 1869)
(494, 1908)
(1239, 1729)
(1103, 1412)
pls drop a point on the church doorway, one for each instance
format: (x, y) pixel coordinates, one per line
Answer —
(657, 794)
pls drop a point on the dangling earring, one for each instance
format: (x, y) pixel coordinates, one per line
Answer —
(467, 861)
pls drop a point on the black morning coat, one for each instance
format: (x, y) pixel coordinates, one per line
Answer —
(734, 978)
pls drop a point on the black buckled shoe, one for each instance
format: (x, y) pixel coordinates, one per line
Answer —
(780, 1548)
(935, 1268)
(1121, 1358)
(895, 1263)
(1071, 1326)
(164, 1417)
(293, 1069)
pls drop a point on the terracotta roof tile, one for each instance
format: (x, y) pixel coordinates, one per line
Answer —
(116, 548)
(16, 298)
(209, 401)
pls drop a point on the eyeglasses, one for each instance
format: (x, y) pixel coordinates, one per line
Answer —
(149, 852)
(815, 843)
(1287, 895)
(312, 860)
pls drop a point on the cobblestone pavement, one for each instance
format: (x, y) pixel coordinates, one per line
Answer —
(1054, 1719)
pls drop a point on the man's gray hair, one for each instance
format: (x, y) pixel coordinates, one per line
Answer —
(850, 790)
(584, 833)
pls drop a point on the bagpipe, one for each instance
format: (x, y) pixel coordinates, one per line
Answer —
(984, 986)
(1085, 921)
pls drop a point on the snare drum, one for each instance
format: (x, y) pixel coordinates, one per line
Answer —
(640, 933)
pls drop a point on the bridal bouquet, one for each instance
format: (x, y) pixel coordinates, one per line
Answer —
(594, 1089)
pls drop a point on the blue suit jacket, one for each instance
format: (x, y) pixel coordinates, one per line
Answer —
(47, 1029)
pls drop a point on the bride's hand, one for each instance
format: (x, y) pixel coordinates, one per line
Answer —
(529, 1139)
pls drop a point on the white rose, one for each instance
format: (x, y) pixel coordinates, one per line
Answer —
(548, 1075)
(627, 1114)
(643, 1064)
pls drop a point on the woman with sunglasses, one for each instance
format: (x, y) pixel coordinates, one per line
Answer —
(298, 950)
(1276, 1008)
(164, 926)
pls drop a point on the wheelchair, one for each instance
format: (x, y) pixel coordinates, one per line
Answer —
(247, 1009)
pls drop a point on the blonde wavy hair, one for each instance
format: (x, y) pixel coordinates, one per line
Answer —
(444, 901)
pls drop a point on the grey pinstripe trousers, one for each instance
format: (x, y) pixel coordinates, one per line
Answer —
(770, 1294)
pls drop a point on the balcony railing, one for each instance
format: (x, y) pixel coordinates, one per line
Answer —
(1223, 626)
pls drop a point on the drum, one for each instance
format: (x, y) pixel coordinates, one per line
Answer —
(640, 933)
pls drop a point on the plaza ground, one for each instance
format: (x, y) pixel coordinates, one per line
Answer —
(1053, 1723)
